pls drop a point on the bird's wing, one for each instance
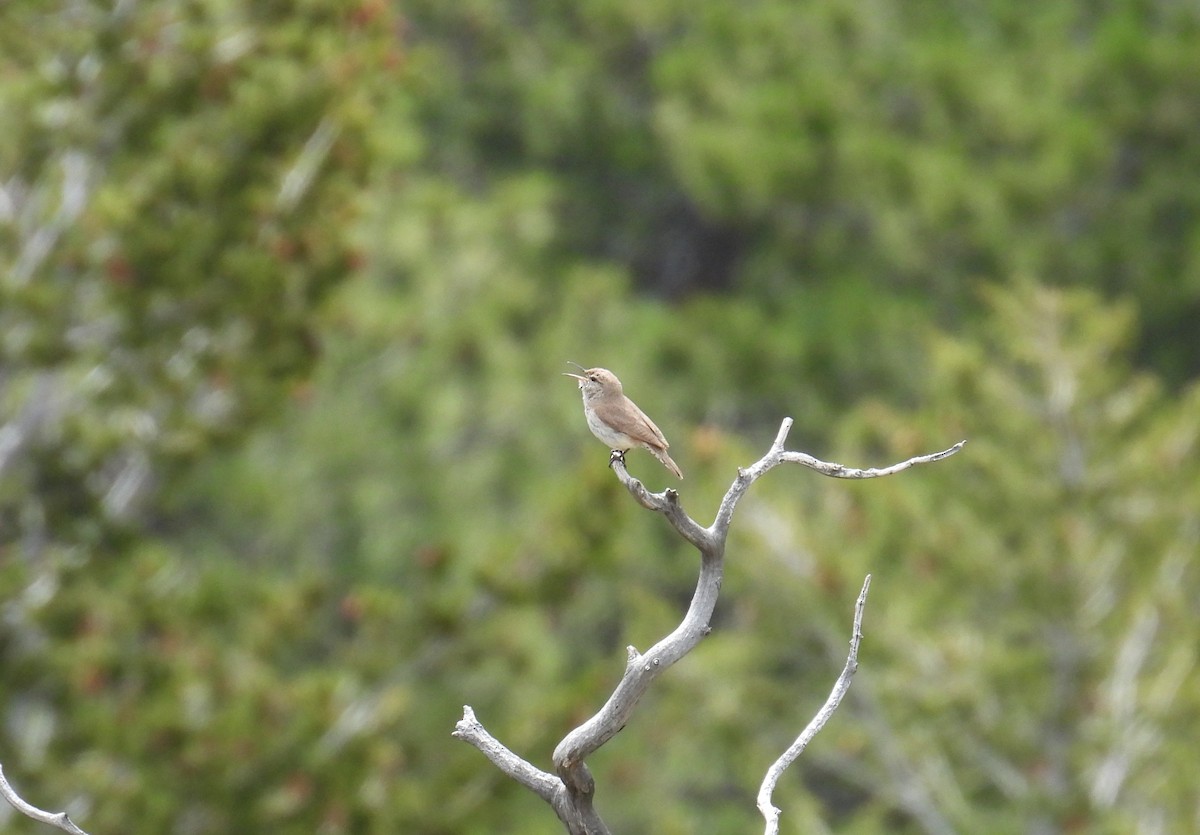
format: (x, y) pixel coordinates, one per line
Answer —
(649, 433)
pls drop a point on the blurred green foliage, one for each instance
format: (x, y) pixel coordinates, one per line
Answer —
(180, 184)
(288, 472)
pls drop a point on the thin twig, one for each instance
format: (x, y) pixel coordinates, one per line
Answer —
(840, 471)
(58, 819)
(769, 811)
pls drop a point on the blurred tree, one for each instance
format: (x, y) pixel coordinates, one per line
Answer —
(1026, 671)
(177, 195)
(295, 622)
(1023, 671)
(178, 188)
(820, 156)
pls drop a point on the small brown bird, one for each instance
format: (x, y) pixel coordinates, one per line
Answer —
(616, 420)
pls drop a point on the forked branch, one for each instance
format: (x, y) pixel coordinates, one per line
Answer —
(571, 792)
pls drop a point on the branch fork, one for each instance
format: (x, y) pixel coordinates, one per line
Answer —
(571, 789)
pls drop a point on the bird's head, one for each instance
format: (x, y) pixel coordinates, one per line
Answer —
(596, 382)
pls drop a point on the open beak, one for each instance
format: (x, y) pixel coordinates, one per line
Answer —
(576, 376)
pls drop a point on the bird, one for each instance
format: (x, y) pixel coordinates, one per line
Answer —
(616, 420)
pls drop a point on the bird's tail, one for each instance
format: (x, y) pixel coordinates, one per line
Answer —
(665, 460)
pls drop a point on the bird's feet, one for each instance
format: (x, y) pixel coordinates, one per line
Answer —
(616, 455)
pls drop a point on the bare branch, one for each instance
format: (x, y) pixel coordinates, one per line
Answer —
(573, 806)
(572, 792)
(666, 503)
(778, 455)
(57, 819)
(769, 812)
(840, 471)
(641, 671)
(539, 782)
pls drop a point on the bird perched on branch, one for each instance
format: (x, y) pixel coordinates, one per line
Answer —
(616, 420)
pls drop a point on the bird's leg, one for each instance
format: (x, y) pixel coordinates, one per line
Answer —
(615, 456)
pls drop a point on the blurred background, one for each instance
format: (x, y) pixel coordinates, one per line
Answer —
(288, 472)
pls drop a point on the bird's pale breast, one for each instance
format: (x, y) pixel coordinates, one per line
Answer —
(614, 439)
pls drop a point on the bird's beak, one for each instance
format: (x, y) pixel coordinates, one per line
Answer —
(581, 380)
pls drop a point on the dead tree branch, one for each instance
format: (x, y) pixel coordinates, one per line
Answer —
(571, 792)
(769, 811)
(58, 819)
